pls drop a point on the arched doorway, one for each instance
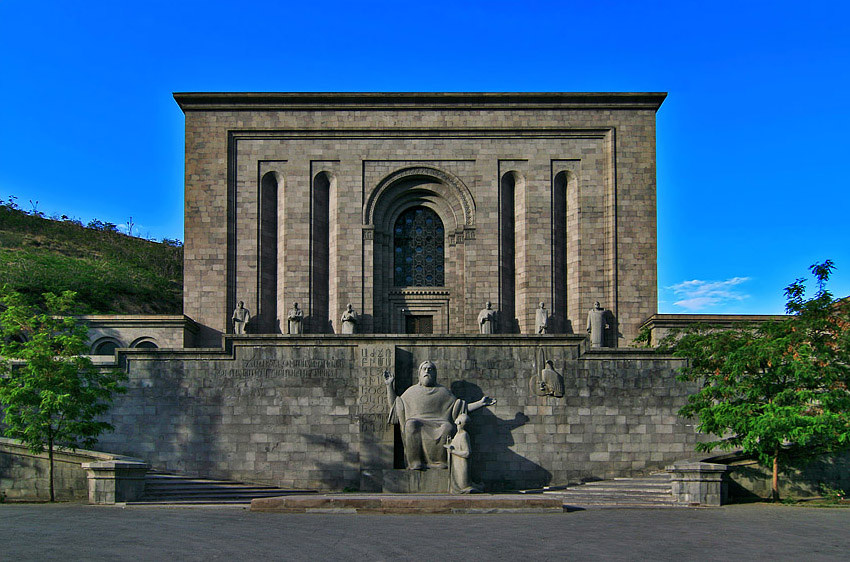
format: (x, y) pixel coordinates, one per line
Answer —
(419, 219)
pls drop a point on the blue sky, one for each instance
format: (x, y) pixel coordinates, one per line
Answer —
(752, 140)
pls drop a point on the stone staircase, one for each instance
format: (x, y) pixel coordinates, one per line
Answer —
(162, 488)
(167, 488)
(650, 491)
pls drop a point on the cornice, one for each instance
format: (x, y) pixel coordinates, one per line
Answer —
(316, 101)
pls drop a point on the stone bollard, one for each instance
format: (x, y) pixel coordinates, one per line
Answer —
(115, 481)
(698, 483)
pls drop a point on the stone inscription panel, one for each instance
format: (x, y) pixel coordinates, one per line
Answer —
(372, 360)
(283, 369)
(376, 436)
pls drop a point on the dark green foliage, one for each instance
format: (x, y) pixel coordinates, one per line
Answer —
(52, 396)
(779, 390)
(110, 271)
(832, 495)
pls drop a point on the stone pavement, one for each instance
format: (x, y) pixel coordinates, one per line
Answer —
(746, 532)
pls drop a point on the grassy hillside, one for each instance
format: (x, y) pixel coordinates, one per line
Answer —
(111, 272)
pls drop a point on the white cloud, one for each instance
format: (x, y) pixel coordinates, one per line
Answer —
(697, 295)
(137, 229)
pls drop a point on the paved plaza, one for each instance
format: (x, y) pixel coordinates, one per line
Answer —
(743, 532)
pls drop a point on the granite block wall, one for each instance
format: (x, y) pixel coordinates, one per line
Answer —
(310, 412)
(24, 476)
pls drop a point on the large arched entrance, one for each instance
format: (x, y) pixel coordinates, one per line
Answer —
(417, 220)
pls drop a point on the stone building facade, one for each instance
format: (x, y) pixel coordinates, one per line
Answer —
(418, 208)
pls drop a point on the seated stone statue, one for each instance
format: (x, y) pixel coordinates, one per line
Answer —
(426, 412)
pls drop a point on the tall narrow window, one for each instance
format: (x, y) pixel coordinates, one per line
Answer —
(559, 251)
(507, 251)
(419, 249)
(268, 253)
(320, 253)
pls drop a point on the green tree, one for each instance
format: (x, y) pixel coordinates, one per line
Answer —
(779, 390)
(50, 392)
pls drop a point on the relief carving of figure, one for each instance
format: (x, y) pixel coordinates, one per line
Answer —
(548, 382)
(541, 322)
(426, 413)
(240, 318)
(296, 316)
(596, 325)
(487, 319)
(349, 321)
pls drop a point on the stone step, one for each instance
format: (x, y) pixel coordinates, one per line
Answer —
(166, 479)
(179, 490)
(212, 493)
(625, 485)
(651, 491)
(194, 503)
(617, 497)
(613, 493)
(203, 485)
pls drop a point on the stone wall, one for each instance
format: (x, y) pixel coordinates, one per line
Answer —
(658, 326)
(748, 479)
(25, 476)
(129, 330)
(310, 412)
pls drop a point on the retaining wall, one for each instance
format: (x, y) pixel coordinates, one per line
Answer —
(311, 411)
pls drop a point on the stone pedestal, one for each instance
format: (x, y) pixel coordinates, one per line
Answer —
(115, 481)
(431, 481)
(698, 483)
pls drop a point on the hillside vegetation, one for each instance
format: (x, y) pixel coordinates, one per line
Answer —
(112, 273)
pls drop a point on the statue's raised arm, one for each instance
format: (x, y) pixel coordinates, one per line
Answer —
(389, 380)
(485, 401)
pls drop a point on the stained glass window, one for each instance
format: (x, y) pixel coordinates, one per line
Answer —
(418, 249)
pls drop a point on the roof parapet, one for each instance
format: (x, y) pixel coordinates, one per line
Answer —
(253, 101)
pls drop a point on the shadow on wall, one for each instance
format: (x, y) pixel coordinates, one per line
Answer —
(493, 463)
(507, 323)
(613, 334)
(748, 479)
(344, 472)
(176, 430)
(256, 325)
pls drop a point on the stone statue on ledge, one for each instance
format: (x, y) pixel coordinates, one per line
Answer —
(487, 319)
(296, 316)
(597, 325)
(541, 323)
(240, 318)
(426, 413)
(349, 321)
